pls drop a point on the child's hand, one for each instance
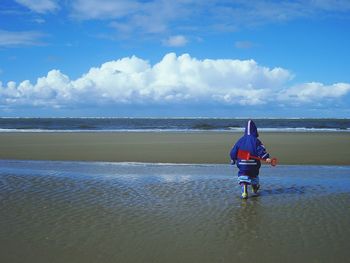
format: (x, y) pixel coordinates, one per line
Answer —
(268, 160)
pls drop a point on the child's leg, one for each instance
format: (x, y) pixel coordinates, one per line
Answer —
(255, 188)
(244, 190)
(244, 181)
(255, 184)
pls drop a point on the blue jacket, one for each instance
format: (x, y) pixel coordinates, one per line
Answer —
(249, 142)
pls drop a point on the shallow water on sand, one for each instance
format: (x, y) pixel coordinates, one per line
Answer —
(132, 212)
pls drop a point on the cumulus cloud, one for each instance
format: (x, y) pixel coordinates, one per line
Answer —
(175, 41)
(40, 6)
(314, 91)
(173, 80)
(16, 38)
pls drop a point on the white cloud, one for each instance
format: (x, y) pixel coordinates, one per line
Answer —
(159, 16)
(132, 17)
(103, 9)
(13, 38)
(173, 80)
(332, 5)
(244, 44)
(314, 91)
(39, 21)
(175, 41)
(40, 6)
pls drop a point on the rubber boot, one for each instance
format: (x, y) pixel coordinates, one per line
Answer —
(244, 191)
(255, 188)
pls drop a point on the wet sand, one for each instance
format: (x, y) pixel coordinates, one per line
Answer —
(118, 212)
(173, 147)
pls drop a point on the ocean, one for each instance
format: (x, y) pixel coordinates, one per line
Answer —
(168, 124)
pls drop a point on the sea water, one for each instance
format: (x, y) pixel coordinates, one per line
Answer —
(169, 124)
(139, 212)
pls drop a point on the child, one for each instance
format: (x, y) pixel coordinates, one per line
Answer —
(249, 169)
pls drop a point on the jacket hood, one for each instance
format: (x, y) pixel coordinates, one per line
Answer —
(250, 129)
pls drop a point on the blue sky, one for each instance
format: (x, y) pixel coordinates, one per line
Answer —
(175, 58)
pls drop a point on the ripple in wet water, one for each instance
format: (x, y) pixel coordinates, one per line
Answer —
(104, 212)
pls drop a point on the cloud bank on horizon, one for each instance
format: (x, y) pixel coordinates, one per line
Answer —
(173, 80)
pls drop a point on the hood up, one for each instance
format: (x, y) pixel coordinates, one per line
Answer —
(251, 129)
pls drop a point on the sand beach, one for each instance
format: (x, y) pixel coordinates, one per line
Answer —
(324, 148)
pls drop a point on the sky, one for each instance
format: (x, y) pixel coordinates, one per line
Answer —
(143, 58)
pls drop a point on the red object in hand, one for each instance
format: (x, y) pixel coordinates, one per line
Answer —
(245, 155)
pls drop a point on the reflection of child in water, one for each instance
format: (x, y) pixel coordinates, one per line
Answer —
(249, 169)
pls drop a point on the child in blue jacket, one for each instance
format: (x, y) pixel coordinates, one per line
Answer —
(249, 169)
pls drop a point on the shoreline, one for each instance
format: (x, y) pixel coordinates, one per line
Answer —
(314, 148)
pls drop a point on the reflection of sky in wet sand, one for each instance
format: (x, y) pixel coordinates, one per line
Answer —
(131, 212)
